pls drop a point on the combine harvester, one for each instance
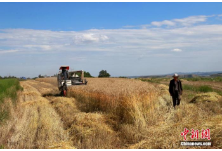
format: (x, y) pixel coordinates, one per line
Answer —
(68, 78)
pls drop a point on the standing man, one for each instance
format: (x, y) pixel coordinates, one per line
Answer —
(175, 89)
(65, 74)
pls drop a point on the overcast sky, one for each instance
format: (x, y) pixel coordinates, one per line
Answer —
(126, 39)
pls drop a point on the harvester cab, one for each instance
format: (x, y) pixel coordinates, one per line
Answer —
(68, 78)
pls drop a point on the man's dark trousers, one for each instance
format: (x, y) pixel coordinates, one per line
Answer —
(176, 98)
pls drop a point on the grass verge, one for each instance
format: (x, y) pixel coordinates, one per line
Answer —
(202, 88)
(8, 89)
(153, 80)
(215, 79)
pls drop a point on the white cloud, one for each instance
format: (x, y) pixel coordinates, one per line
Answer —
(165, 22)
(188, 21)
(43, 47)
(124, 41)
(177, 50)
(89, 38)
(191, 20)
(77, 58)
(7, 51)
(120, 50)
(128, 26)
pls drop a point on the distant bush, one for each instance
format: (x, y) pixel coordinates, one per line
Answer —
(40, 76)
(8, 77)
(123, 77)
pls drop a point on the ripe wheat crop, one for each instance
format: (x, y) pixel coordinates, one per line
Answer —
(139, 114)
(129, 99)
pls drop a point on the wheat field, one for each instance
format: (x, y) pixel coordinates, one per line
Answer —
(106, 113)
(142, 114)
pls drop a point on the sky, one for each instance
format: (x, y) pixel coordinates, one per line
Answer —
(126, 39)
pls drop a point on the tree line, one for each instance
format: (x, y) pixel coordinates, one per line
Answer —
(102, 73)
(7, 77)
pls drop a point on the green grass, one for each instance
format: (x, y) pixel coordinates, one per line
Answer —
(2, 147)
(8, 89)
(218, 91)
(4, 114)
(152, 80)
(203, 88)
(216, 79)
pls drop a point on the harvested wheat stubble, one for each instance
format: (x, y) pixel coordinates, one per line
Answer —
(86, 130)
(44, 88)
(66, 108)
(206, 97)
(36, 124)
(52, 80)
(89, 130)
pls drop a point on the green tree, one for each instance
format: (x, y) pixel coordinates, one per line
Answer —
(122, 77)
(55, 75)
(104, 73)
(40, 76)
(86, 74)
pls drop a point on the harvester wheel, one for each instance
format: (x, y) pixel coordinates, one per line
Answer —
(64, 92)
